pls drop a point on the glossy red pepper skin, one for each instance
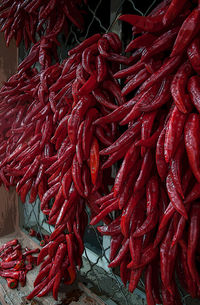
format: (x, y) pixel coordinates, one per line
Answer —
(173, 132)
(76, 117)
(193, 53)
(173, 11)
(193, 237)
(162, 43)
(94, 160)
(148, 24)
(12, 283)
(175, 197)
(10, 243)
(167, 68)
(193, 87)
(191, 138)
(186, 33)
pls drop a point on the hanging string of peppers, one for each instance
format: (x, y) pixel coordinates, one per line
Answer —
(27, 19)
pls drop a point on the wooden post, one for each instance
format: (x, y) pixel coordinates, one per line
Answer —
(9, 218)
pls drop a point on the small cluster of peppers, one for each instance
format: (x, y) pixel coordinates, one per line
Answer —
(15, 262)
(26, 19)
(156, 190)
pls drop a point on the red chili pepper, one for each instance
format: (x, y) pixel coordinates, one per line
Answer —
(187, 32)
(173, 11)
(42, 243)
(149, 284)
(10, 274)
(191, 130)
(178, 88)
(193, 87)
(59, 257)
(12, 283)
(112, 207)
(134, 279)
(127, 165)
(144, 40)
(17, 254)
(10, 243)
(175, 168)
(175, 197)
(125, 138)
(135, 81)
(147, 24)
(94, 160)
(173, 132)
(162, 43)
(193, 53)
(38, 288)
(193, 238)
(121, 254)
(167, 68)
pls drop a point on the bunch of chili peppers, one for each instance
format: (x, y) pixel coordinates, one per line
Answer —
(15, 262)
(25, 19)
(52, 148)
(156, 188)
(65, 139)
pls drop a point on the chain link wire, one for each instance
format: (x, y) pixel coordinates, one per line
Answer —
(103, 281)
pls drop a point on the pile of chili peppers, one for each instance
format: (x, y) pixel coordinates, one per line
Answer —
(25, 19)
(61, 135)
(15, 262)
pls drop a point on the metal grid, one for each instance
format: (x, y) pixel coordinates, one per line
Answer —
(101, 17)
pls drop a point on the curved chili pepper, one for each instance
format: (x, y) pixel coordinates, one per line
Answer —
(135, 81)
(114, 88)
(193, 237)
(130, 70)
(167, 68)
(135, 112)
(148, 255)
(175, 197)
(102, 99)
(178, 86)
(186, 33)
(173, 133)
(193, 53)
(147, 24)
(148, 285)
(112, 207)
(193, 87)
(192, 127)
(42, 274)
(88, 130)
(127, 165)
(175, 168)
(173, 10)
(162, 43)
(145, 171)
(144, 40)
(134, 279)
(128, 212)
(124, 139)
(127, 191)
(72, 275)
(76, 117)
(94, 160)
(121, 254)
(86, 43)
